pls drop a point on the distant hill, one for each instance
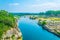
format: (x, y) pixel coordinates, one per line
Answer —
(49, 13)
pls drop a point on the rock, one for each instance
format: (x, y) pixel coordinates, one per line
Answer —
(12, 33)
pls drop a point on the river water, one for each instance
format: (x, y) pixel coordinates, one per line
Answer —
(32, 31)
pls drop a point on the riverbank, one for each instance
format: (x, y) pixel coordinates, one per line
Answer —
(49, 30)
(8, 27)
(13, 33)
(52, 25)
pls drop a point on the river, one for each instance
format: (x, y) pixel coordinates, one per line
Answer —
(32, 31)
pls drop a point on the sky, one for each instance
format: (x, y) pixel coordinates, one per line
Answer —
(29, 5)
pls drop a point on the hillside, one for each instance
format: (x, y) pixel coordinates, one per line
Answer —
(8, 26)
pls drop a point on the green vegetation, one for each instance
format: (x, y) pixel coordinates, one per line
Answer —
(6, 21)
(13, 37)
(50, 13)
(32, 17)
(42, 22)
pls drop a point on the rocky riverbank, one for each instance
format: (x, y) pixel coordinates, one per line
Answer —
(12, 34)
(49, 30)
(51, 26)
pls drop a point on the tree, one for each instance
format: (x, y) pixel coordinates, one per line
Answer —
(7, 21)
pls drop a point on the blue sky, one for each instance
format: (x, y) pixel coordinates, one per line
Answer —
(29, 5)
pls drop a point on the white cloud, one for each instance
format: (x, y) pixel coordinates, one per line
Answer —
(46, 6)
(14, 4)
(35, 7)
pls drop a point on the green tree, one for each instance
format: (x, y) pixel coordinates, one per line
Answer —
(7, 21)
